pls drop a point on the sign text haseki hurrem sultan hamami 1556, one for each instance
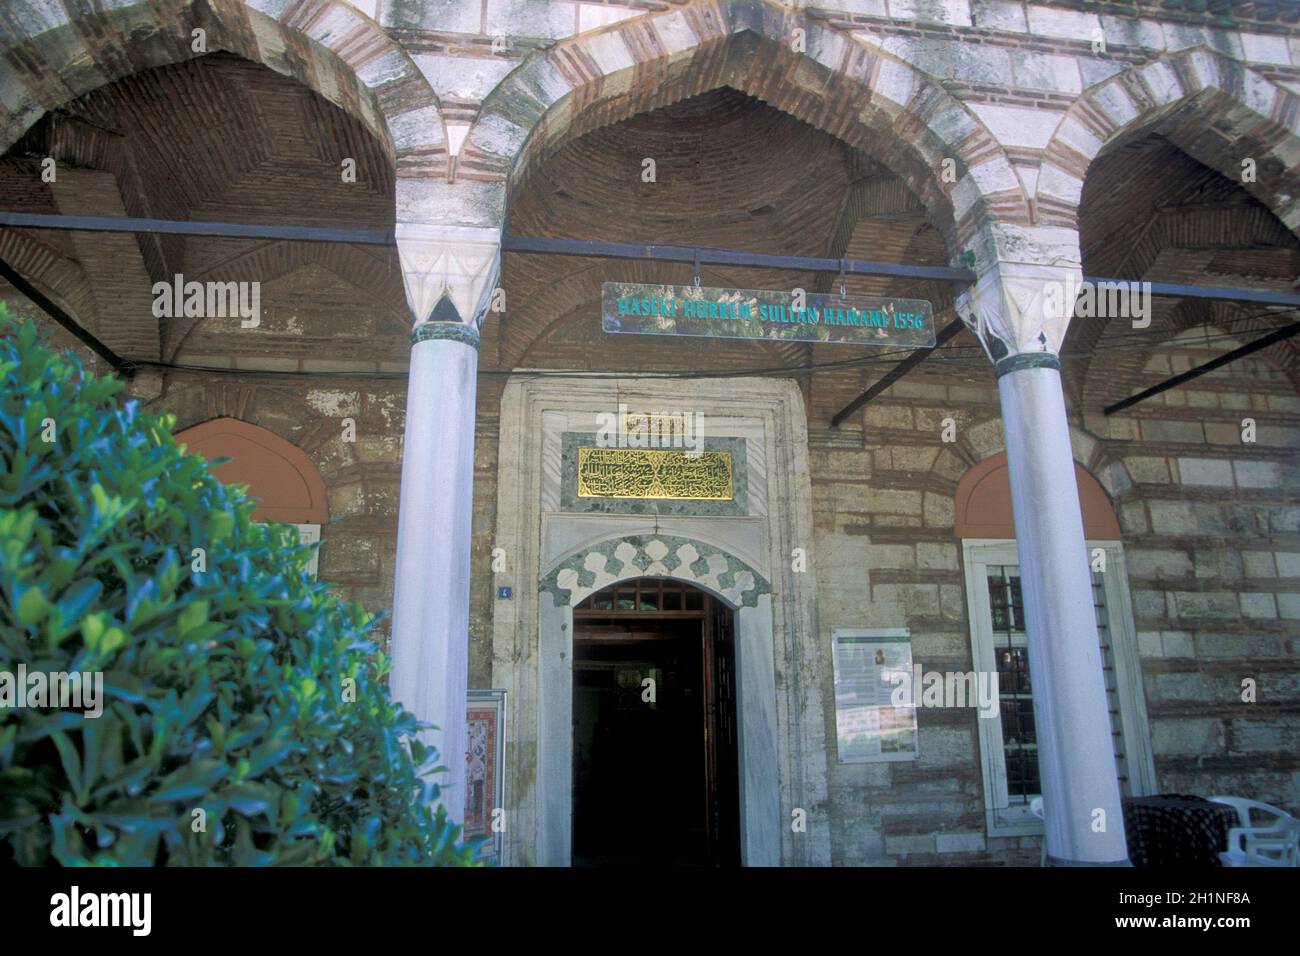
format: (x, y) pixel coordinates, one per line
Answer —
(758, 314)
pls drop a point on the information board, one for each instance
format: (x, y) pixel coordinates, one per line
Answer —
(870, 664)
(790, 315)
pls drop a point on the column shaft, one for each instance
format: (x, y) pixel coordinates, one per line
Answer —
(1075, 751)
(431, 592)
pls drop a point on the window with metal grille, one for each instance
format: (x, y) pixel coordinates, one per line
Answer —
(1008, 741)
(1019, 740)
(641, 595)
(1016, 710)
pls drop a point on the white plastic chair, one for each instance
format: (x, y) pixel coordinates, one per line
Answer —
(1273, 841)
(1036, 808)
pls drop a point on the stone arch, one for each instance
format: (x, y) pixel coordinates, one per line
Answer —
(1212, 107)
(56, 52)
(286, 482)
(597, 565)
(605, 76)
(982, 504)
(985, 439)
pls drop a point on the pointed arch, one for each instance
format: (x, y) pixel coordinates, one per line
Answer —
(982, 504)
(286, 482)
(1215, 109)
(56, 52)
(836, 82)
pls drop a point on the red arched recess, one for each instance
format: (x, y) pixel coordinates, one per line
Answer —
(983, 503)
(287, 484)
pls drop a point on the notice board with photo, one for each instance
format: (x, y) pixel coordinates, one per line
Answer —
(870, 665)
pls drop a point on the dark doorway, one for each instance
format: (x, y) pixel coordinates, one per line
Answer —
(655, 766)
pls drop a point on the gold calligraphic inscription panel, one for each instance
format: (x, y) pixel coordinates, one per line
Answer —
(654, 473)
(654, 423)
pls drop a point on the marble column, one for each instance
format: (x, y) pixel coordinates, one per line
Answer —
(449, 273)
(1020, 311)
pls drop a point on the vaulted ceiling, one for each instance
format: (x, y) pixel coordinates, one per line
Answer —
(214, 138)
(220, 138)
(1150, 212)
(730, 172)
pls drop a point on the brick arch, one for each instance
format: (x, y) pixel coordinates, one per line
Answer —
(57, 51)
(982, 504)
(1212, 107)
(605, 76)
(1089, 345)
(1105, 376)
(1123, 373)
(286, 482)
(59, 277)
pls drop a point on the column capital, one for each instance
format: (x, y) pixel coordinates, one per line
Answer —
(449, 272)
(1021, 308)
(1017, 308)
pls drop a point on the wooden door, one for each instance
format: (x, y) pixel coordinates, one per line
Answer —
(646, 612)
(720, 657)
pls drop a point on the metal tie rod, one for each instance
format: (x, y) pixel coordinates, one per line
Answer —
(1277, 335)
(230, 230)
(598, 249)
(1183, 290)
(14, 278)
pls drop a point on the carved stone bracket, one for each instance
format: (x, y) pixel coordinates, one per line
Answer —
(448, 270)
(1020, 307)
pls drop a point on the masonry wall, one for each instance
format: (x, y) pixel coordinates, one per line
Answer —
(1212, 529)
(886, 556)
(314, 324)
(1210, 536)
(362, 477)
(1210, 522)
(359, 542)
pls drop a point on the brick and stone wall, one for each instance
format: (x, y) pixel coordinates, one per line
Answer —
(1210, 538)
(1212, 530)
(1126, 121)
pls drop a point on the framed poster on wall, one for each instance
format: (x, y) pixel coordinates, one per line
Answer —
(485, 768)
(870, 664)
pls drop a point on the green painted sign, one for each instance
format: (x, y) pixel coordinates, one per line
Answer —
(759, 314)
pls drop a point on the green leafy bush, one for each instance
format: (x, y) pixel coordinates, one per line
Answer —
(232, 683)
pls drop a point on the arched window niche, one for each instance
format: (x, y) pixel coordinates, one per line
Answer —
(287, 485)
(983, 520)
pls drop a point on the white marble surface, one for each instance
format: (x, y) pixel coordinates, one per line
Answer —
(782, 733)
